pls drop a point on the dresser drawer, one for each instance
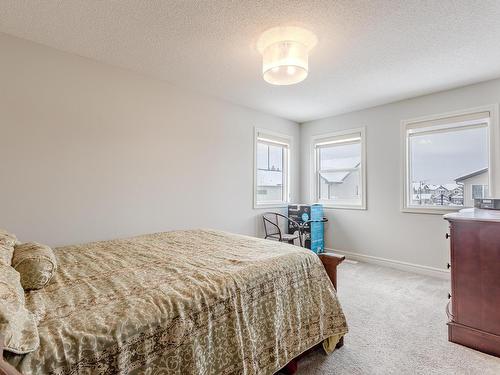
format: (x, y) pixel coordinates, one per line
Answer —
(475, 275)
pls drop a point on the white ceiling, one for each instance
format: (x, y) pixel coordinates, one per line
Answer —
(369, 52)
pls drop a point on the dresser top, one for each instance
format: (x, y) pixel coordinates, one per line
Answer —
(474, 214)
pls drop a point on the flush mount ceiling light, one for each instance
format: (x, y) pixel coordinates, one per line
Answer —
(285, 54)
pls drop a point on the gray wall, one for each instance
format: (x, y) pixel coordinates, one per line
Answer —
(383, 230)
(90, 152)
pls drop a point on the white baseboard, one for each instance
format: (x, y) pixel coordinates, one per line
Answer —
(397, 264)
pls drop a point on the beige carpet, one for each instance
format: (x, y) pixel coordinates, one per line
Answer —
(397, 326)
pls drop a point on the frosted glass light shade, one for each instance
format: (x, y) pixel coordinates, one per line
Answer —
(285, 63)
(285, 54)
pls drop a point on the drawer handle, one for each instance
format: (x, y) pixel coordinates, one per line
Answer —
(449, 313)
(448, 265)
(447, 235)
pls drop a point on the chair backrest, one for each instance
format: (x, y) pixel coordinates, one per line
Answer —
(271, 224)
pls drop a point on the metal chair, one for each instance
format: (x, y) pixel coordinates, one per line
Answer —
(273, 229)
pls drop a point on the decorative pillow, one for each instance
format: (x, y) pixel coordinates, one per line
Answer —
(36, 264)
(17, 325)
(7, 242)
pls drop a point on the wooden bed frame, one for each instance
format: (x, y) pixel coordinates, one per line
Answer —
(5, 368)
(330, 262)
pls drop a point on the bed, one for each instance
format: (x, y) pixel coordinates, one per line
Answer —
(182, 302)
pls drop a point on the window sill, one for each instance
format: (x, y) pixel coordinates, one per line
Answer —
(430, 211)
(341, 207)
(270, 205)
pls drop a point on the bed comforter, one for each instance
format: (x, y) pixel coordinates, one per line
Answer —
(183, 302)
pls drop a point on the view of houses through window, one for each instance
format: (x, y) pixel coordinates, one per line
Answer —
(339, 166)
(448, 162)
(339, 180)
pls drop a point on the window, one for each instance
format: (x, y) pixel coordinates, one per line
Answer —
(446, 161)
(271, 169)
(339, 172)
(479, 191)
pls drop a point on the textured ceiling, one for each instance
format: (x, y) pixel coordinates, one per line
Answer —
(369, 52)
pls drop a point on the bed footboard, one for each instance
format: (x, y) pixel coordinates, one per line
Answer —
(330, 262)
(6, 369)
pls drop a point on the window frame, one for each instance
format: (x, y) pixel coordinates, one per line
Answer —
(280, 139)
(314, 178)
(405, 162)
(482, 188)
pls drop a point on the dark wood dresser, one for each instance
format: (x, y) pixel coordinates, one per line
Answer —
(475, 279)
